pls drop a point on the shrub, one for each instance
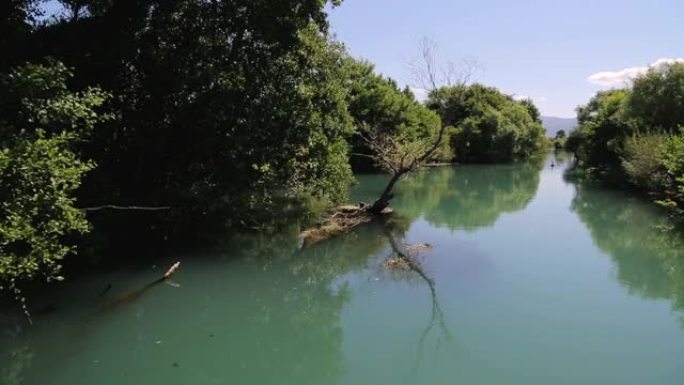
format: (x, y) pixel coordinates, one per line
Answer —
(643, 160)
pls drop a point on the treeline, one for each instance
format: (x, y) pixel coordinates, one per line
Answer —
(227, 113)
(487, 125)
(635, 135)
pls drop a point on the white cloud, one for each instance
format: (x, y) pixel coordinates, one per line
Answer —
(421, 94)
(622, 77)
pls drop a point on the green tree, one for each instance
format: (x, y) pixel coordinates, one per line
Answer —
(41, 121)
(653, 104)
(225, 111)
(531, 109)
(603, 128)
(656, 100)
(489, 126)
(634, 134)
(377, 102)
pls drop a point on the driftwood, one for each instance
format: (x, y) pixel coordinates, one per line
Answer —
(342, 220)
(136, 208)
(136, 294)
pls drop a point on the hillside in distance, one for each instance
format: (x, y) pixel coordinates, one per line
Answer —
(554, 124)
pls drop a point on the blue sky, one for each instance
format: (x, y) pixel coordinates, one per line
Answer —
(544, 49)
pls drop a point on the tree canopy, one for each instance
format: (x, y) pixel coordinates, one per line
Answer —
(489, 126)
(634, 134)
(228, 113)
(41, 122)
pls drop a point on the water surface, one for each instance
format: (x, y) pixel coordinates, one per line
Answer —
(537, 280)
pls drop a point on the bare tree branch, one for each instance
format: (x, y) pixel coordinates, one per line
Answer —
(427, 72)
(424, 68)
(115, 207)
(397, 154)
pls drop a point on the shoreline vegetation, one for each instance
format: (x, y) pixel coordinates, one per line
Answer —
(633, 137)
(155, 113)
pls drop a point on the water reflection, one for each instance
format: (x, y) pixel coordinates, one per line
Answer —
(270, 316)
(19, 361)
(467, 198)
(409, 254)
(259, 310)
(647, 250)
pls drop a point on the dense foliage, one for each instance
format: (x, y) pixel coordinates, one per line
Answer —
(219, 110)
(377, 103)
(228, 113)
(222, 107)
(634, 134)
(488, 126)
(41, 122)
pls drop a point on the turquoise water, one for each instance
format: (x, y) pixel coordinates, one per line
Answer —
(537, 280)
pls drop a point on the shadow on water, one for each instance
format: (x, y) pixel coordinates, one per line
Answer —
(269, 315)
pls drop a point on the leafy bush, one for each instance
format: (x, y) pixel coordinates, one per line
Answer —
(643, 160)
(673, 161)
(40, 122)
(38, 178)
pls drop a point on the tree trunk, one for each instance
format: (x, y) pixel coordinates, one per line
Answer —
(383, 202)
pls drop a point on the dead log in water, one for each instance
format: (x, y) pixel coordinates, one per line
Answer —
(342, 220)
(131, 296)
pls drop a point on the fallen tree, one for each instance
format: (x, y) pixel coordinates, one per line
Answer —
(133, 295)
(398, 155)
(395, 151)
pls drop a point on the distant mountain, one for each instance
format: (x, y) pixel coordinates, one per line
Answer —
(553, 124)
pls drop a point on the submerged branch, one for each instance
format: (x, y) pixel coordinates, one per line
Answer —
(115, 207)
(135, 294)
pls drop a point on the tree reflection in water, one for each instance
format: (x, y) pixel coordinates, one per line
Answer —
(469, 197)
(646, 246)
(409, 255)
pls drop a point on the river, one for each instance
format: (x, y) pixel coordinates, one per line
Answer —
(531, 278)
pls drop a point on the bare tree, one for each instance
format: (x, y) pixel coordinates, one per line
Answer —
(428, 73)
(424, 69)
(397, 155)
